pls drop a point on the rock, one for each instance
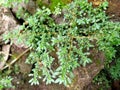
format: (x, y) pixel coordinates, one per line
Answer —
(23, 8)
(23, 67)
(7, 20)
(58, 18)
(7, 23)
(5, 52)
(85, 75)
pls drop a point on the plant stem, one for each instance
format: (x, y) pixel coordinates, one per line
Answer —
(13, 61)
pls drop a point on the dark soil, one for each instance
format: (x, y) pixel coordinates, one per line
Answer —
(114, 10)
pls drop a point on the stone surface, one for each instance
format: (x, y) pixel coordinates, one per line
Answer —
(85, 75)
(7, 24)
(7, 20)
(5, 52)
(24, 8)
(24, 68)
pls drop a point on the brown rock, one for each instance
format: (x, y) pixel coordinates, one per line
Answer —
(29, 7)
(5, 52)
(7, 20)
(16, 51)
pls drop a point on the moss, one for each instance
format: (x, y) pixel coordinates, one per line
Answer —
(53, 3)
(41, 3)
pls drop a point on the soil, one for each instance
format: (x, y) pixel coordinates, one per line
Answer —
(114, 10)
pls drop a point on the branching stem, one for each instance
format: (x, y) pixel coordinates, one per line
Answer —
(13, 61)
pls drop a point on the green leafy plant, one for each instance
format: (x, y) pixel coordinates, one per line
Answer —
(69, 40)
(102, 81)
(115, 70)
(5, 82)
(11, 3)
(110, 73)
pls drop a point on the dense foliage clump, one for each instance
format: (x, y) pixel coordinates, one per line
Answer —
(70, 40)
(110, 73)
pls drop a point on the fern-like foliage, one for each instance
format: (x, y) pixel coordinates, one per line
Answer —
(5, 82)
(70, 40)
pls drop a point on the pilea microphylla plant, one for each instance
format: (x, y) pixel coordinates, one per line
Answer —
(69, 40)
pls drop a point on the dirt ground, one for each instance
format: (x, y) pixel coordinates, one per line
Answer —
(114, 10)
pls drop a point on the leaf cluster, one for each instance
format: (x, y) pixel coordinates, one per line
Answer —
(70, 40)
(5, 81)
